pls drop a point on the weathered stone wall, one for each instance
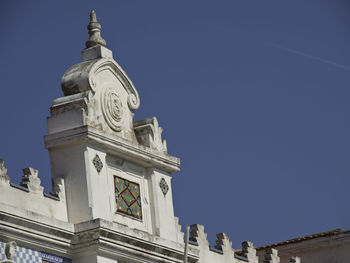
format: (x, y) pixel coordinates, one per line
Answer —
(29, 194)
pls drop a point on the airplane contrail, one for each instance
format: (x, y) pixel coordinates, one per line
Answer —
(309, 56)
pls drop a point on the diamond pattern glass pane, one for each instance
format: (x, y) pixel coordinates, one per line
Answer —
(127, 196)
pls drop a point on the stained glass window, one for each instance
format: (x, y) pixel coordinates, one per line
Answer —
(127, 195)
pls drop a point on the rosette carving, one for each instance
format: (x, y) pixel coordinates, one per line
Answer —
(112, 108)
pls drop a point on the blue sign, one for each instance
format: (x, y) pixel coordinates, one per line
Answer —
(54, 259)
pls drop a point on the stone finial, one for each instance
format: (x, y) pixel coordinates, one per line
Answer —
(95, 32)
(271, 256)
(294, 260)
(3, 172)
(31, 180)
(249, 251)
(10, 250)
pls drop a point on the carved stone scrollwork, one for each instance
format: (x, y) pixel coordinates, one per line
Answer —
(133, 101)
(81, 77)
(112, 109)
(111, 66)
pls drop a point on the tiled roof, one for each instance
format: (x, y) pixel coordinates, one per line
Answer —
(299, 239)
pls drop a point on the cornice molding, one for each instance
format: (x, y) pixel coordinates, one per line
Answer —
(96, 236)
(115, 145)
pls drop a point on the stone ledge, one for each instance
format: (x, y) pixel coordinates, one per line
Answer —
(115, 145)
(95, 236)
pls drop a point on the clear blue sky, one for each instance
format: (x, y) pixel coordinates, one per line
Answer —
(253, 97)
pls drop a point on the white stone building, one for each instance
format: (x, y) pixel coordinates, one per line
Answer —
(111, 181)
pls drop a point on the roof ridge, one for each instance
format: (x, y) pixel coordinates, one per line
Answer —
(307, 237)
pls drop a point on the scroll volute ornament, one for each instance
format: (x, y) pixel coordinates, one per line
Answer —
(96, 58)
(81, 77)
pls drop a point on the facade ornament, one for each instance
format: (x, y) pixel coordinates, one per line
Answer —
(149, 133)
(223, 243)
(97, 163)
(294, 260)
(10, 252)
(249, 252)
(271, 256)
(58, 187)
(95, 32)
(82, 77)
(164, 186)
(198, 235)
(3, 172)
(31, 180)
(112, 109)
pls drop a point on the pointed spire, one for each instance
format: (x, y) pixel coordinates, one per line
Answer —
(95, 32)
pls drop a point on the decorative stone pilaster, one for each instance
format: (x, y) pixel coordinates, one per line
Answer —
(249, 251)
(294, 260)
(271, 256)
(31, 180)
(3, 173)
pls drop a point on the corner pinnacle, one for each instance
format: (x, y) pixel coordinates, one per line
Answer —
(95, 32)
